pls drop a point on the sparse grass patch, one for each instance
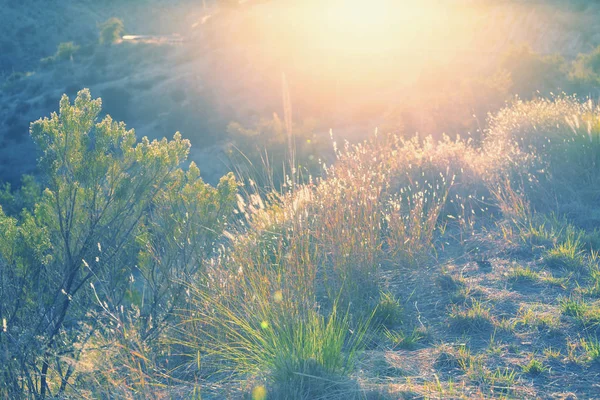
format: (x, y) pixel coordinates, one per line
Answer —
(383, 368)
(535, 316)
(537, 235)
(591, 240)
(447, 359)
(591, 347)
(593, 289)
(455, 287)
(534, 367)
(567, 255)
(473, 318)
(554, 281)
(498, 381)
(388, 312)
(552, 354)
(573, 307)
(523, 276)
(449, 283)
(586, 314)
(402, 340)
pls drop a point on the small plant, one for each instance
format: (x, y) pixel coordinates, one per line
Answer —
(551, 353)
(534, 367)
(474, 318)
(401, 340)
(566, 255)
(573, 307)
(111, 31)
(523, 276)
(501, 380)
(389, 311)
(65, 51)
(591, 346)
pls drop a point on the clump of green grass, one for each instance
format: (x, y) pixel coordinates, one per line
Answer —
(536, 235)
(388, 312)
(534, 367)
(573, 307)
(593, 289)
(402, 340)
(500, 380)
(475, 317)
(467, 361)
(566, 255)
(537, 318)
(591, 347)
(523, 276)
(306, 355)
(551, 280)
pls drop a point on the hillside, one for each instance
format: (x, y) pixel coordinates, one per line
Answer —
(300, 200)
(215, 73)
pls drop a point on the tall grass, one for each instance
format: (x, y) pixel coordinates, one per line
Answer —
(268, 306)
(289, 293)
(551, 149)
(300, 354)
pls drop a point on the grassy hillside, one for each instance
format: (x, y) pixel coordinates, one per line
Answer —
(457, 270)
(458, 262)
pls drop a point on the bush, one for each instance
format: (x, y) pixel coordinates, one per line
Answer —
(111, 31)
(67, 261)
(533, 74)
(66, 50)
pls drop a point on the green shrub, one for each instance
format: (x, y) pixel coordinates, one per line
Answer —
(66, 50)
(111, 31)
(67, 261)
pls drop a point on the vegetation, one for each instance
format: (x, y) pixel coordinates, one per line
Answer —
(111, 31)
(105, 232)
(283, 291)
(396, 266)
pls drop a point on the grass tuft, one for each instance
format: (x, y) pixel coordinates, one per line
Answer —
(473, 318)
(534, 367)
(388, 312)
